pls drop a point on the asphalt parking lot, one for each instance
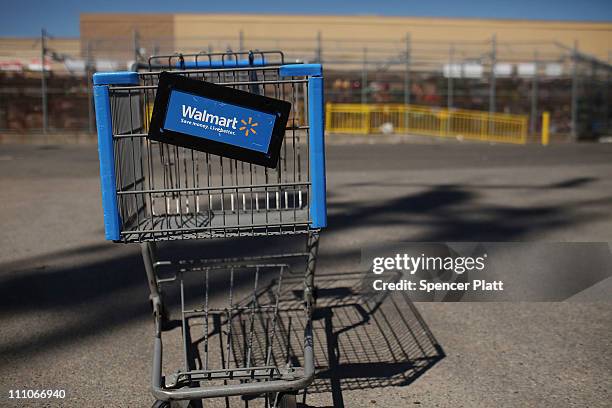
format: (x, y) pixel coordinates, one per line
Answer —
(74, 313)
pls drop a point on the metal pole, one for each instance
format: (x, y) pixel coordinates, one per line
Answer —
(364, 78)
(534, 97)
(136, 45)
(311, 264)
(241, 40)
(319, 51)
(407, 73)
(574, 96)
(493, 63)
(449, 83)
(607, 99)
(43, 80)
(407, 84)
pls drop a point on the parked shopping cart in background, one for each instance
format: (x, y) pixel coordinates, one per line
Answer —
(233, 342)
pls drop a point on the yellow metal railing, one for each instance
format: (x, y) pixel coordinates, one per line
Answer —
(423, 120)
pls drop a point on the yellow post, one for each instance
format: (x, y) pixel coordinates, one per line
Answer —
(365, 111)
(328, 113)
(545, 128)
(524, 130)
(148, 114)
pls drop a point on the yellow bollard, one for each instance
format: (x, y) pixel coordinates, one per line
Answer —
(365, 111)
(545, 128)
(148, 113)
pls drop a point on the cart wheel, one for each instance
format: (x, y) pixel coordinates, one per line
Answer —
(287, 401)
(161, 404)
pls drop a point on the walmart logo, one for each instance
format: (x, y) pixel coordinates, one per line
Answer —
(248, 126)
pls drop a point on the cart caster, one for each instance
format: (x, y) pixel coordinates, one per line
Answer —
(287, 401)
(161, 404)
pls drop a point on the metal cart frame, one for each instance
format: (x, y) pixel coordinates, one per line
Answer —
(194, 195)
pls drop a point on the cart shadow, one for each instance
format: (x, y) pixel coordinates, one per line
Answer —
(367, 339)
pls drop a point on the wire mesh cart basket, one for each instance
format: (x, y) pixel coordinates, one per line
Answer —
(231, 340)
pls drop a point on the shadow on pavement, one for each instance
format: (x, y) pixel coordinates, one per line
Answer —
(87, 280)
(367, 339)
(359, 345)
(451, 214)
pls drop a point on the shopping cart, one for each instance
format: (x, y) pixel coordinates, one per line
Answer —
(233, 341)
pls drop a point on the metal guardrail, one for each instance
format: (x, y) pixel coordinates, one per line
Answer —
(423, 120)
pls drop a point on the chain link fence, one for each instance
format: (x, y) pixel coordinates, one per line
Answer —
(488, 75)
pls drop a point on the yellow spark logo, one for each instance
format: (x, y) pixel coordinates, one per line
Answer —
(248, 126)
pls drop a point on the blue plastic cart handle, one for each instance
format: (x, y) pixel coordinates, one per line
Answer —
(112, 220)
(318, 204)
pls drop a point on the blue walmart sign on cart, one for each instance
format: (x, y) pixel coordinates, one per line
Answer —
(219, 120)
